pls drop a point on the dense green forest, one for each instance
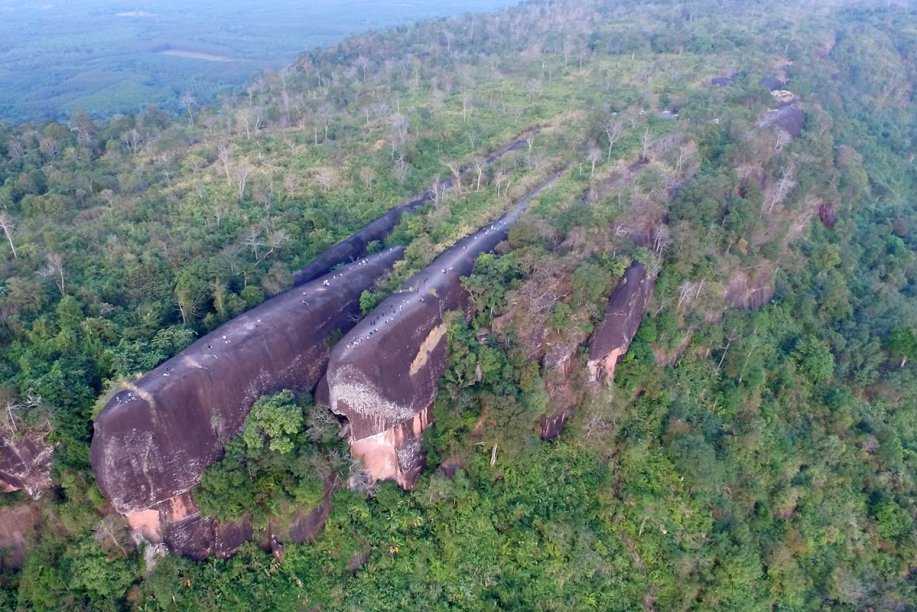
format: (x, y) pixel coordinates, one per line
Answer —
(750, 454)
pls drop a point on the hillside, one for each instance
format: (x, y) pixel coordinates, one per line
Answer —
(734, 184)
(119, 57)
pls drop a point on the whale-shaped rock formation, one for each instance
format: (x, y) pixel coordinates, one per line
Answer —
(383, 375)
(626, 307)
(354, 246)
(154, 439)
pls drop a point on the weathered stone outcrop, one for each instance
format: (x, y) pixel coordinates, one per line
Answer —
(25, 461)
(154, 439)
(626, 307)
(788, 118)
(383, 375)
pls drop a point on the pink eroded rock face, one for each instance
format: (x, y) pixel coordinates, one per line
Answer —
(626, 307)
(154, 440)
(395, 454)
(383, 375)
(25, 462)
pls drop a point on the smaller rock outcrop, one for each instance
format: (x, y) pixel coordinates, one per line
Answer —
(626, 307)
(25, 461)
(752, 292)
(827, 212)
(772, 83)
(354, 246)
(15, 524)
(788, 118)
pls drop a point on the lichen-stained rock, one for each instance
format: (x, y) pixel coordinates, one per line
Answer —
(383, 375)
(354, 246)
(154, 440)
(625, 310)
(25, 461)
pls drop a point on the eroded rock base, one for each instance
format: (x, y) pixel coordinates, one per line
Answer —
(394, 454)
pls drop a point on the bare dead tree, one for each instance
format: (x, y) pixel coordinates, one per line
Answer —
(188, 102)
(252, 239)
(326, 178)
(244, 118)
(275, 240)
(466, 104)
(16, 147)
(325, 113)
(456, 170)
(12, 407)
(729, 341)
(224, 153)
(595, 154)
(472, 138)
(401, 169)
(646, 142)
(54, 269)
(399, 124)
(243, 172)
(7, 225)
(784, 186)
(368, 176)
(613, 131)
(501, 180)
(685, 154)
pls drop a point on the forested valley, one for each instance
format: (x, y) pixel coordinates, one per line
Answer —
(757, 446)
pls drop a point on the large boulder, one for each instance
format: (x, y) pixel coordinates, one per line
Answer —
(354, 246)
(154, 439)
